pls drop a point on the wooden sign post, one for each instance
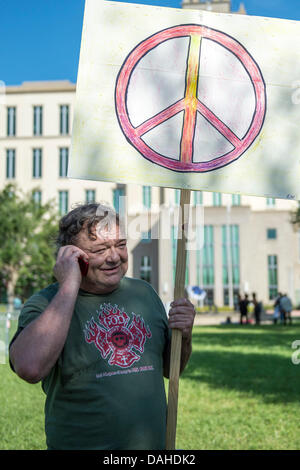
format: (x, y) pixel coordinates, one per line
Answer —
(176, 334)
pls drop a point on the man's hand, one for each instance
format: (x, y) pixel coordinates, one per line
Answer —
(181, 316)
(67, 269)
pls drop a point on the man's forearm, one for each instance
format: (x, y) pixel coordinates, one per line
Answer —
(38, 346)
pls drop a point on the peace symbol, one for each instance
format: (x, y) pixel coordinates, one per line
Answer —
(190, 103)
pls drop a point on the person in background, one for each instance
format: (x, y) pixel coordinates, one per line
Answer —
(286, 308)
(257, 309)
(243, 304)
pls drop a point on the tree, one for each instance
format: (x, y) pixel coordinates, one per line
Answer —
(27, 248)
(295, 219)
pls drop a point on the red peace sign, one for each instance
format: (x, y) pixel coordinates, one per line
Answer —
(190, 103)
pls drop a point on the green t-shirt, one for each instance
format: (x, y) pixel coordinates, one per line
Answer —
(106, 390)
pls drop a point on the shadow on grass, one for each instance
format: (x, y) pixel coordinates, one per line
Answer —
(255, 360)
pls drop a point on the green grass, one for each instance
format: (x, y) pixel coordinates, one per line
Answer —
(240, 390)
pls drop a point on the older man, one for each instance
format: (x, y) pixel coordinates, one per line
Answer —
(99, 343)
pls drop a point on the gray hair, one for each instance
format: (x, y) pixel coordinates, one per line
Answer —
(92, 216)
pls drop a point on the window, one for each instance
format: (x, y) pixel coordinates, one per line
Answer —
(146, 237)
(147, 197)
(10, 163)
(236, 200)
(37, 197)
(90, 195)
(63, 162)
(271, 233)
(177, 196)
(119, 200)
(63, 202)
(273, 276)
(37, 120)
(198, 199)
(64, 119)
(208, 256)
(217, 199)
(37, 163)
(145, 269)
(270, 202)
(11, 121)
(231, 258)
(205, 261)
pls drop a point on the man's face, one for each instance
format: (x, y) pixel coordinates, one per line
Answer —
(108, 259)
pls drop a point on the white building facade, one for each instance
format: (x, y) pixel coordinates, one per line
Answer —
(241, 245)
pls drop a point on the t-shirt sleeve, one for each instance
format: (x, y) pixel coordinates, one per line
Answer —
(32, 309)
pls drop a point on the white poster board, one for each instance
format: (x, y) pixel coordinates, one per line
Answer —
(188, 99)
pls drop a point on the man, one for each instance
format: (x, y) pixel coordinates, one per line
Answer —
(99, 343)
(243, 305)
(257, 309)
(286, 308)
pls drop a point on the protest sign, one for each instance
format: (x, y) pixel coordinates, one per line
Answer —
(188, 99)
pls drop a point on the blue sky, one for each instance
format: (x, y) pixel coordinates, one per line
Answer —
(40, 39)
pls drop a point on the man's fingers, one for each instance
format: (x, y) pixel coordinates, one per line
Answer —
(72, 251)
(181, 302)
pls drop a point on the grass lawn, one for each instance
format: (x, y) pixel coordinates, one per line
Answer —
(240, 390)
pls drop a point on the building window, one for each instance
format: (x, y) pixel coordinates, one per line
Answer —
(147, 197)
(231, 256)
(119, 200)
(236, 200)
(64, 119)
(10, 163)
(270, 202)
(271, 233)
(63, 162)
(11, 121)
(205, 262)
(90, 195)
(37, 197)
(273, 276)
(37, 120)
(63, 202)
(217, 199)
(145, 269)
(37, 163)
(208, 256)
(146, 237)
(198, 199)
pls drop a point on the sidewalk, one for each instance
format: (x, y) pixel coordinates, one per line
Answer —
(212, 318)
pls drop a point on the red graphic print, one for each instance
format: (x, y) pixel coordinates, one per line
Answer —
(112, 335)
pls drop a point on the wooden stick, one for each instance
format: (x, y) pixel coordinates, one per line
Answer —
(176, 334)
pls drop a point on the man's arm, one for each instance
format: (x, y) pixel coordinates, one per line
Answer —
(38, 346)
(181, 316)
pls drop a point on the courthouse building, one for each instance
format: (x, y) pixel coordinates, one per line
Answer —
(243, 244)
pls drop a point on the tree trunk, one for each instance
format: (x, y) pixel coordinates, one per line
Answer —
(11, 286)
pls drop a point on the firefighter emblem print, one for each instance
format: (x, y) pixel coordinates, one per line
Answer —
(116, 339)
